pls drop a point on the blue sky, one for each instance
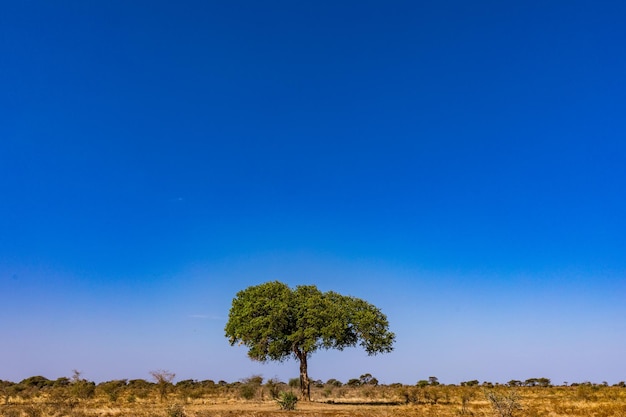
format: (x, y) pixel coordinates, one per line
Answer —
(460, 165)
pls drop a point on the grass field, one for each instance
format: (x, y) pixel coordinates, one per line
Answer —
(81, 398)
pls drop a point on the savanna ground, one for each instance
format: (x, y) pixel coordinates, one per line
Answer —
(39, 397)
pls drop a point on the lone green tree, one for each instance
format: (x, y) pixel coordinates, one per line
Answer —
(276, 323)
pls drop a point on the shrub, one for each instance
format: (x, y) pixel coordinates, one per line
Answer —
(176, 410)
(247, 391)
(273, 386)
(163, 381)
(287, 400)
(354, 382)
(249, 386)
(503, 404)
(334, 383)
(112, 389)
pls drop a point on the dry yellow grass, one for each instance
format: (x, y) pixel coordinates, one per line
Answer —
(382, 401)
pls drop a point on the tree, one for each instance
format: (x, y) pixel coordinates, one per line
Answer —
(276, 323)
(163, 381)
(433, 380)
(80, 387)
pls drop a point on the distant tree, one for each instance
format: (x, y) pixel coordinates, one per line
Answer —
(334, 383)
(354, 382)
(276, 322)
(368, 379)
(62, 382)
(163, 380)
(543, 382)
(531, 382)
(80, 387)
(37, 382)
(433, 380)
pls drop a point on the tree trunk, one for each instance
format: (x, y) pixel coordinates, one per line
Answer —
(305, 384)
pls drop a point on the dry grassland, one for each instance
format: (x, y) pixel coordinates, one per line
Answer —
(381, 401)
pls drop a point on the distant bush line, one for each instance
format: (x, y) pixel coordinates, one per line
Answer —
(75, 389)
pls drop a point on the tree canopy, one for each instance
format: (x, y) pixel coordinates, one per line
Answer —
(276, 323)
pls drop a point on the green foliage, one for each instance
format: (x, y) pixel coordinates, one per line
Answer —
(334, 383)
(287, 400)
(80, 388)
(112, 389)
(61, 382)
(433, 380)
(533, 382)
(276, 322)
(368, 379)
(247, 391)
(256, 380)
(271, 319)
(36, 382)
(139, 388)
(353, 382)
(250, 386)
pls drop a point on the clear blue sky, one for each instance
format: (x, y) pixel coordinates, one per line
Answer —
(461, 165)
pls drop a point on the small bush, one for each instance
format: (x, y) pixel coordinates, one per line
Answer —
(273, 387)
(247, 391)
(176, 410)
(334, 383)
(287, 400)
(503, 404)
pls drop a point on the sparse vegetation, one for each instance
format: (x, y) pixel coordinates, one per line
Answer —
(175, 410)
(504, 404)
(287, 400)
(163, 381)
(39, 396)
